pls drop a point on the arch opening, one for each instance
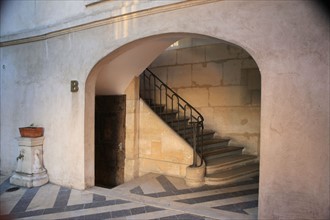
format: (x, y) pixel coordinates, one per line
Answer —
(202, 67)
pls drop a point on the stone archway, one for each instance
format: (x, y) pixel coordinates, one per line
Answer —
(130, 60)
(142, 52)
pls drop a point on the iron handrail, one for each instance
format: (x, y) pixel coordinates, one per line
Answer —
(155, 90)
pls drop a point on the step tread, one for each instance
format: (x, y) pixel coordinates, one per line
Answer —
(221, 150)
(233, 173)
(168, 112)
(157, 105)
(214, 141)
(224, 161)
(181, 119)
(148, 101)
(205, 132)
(181, 128)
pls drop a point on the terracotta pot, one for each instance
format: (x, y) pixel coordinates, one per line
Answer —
(31, 132)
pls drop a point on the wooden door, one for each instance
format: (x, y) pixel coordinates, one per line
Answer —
(110, 114)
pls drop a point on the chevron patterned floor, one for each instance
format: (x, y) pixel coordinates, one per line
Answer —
(149, 197)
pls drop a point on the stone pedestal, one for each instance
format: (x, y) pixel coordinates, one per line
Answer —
(30, 171)
(195, 176)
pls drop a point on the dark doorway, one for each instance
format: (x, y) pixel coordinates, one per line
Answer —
(110, 114)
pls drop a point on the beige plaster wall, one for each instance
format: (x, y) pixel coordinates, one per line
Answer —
(221, 81)
(36, 89)
(43, 16)
(289, 41)
(114, 77)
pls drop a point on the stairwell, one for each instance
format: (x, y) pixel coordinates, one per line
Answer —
(224, 163)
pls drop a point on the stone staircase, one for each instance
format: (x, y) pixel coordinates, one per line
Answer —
(224, 163)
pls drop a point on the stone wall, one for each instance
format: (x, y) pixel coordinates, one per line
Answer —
(222, 81)
(131, 169)
(151, 147)
(150, 144)
(161, 150)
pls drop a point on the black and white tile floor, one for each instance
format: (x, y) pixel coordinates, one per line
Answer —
(149, 197)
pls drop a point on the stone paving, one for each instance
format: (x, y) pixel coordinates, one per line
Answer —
(152, 196)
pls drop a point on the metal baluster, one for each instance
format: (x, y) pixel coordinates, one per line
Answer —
(154, 90)
(166, 103)
(144, 84)
(194, 145)
(202, 142)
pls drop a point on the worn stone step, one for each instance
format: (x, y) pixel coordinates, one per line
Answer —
(232, 175)
(158, 108)
(205, 131)
(229, 162)
(215, 143)
(148, 101)
(181, 126)
(183, 130)
(177, 121)
(169, 115)
(207, 135)
(222, 152)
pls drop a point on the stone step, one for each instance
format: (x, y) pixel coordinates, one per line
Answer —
(157, 108)
(177, 122)
(183, 129)
(148, 101)
(215, 143)
(186, 129)
(222, 152)
(169, 115)
(232, 175)
(207, 135)
(229, 162)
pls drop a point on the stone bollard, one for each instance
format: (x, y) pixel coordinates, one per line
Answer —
(30, 171)
(195, 176)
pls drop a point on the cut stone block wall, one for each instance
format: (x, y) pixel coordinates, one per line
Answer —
(222, 81)
(161, 150)
(132, 125)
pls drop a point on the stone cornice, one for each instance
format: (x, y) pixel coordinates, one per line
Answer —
(54, 31)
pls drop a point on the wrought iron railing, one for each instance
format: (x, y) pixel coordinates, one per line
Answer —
(177, 111)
